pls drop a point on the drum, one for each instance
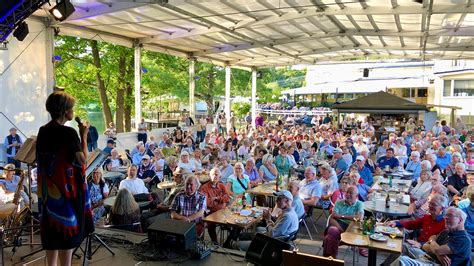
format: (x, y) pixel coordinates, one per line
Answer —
(6, 209)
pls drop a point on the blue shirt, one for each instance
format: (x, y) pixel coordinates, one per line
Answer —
(286, 223)
(341, 164)
(460, 245)
(298, 206)
(363, 191)
(226, 172)
(267, 175)
(311, 189)
(415, 168)
(443, 161)
(384, 161)
(329, 149)
(11, 186)
(137, 158)
(366, 175)
(469, 223)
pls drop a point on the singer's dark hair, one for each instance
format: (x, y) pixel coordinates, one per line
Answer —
(58, 103)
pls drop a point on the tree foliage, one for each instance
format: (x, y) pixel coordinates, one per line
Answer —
(101, 75)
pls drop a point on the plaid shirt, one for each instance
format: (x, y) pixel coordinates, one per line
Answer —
(188, 205)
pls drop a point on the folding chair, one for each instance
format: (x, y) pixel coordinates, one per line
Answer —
(309, 215)
(324, 211)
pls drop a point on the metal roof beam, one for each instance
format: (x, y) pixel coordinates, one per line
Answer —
(106, 8)
(225, 29)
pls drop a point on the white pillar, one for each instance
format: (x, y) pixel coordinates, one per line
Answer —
(138, 72)
(192, 86)
(227, 96)
(50, 80)
(254, 96)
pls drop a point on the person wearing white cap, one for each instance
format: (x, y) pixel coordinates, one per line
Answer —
(146, 170)
(286, 223)
(364, 172)
(185, 163)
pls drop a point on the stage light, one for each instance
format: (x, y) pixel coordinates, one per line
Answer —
(21, 31)
(62, 10)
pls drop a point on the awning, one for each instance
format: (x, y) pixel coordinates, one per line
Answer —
(361, 86)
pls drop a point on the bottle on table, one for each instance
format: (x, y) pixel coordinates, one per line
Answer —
(387, 201)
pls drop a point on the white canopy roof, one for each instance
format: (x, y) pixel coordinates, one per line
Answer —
(361, 86)
(260, 33)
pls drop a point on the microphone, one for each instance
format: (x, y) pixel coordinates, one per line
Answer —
(78, 120)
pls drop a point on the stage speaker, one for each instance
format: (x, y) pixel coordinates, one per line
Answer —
(265, 250)
(172, 234)
(21, 31)
(366, 72)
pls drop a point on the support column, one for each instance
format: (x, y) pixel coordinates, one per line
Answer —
(254, 96)
(227, 96)
(138, 85)
(50, 61)
(192, 86)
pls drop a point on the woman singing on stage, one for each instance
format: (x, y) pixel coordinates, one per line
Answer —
(64, 204)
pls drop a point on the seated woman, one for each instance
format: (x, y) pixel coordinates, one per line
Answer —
(226, 169)
(99, 191)
(344, 212)
(423, 187)
(186, 163)
(458, 181)
(451, 168)
(268, 170)
(125, 211)
(414, 165)
(420, 207)
(340, 193)
(11, 182)
(238, 183)
(252, 172)
(430, 224)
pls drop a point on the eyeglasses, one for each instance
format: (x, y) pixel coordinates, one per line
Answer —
(451, 215)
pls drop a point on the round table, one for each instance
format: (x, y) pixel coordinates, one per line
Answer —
(379, 206)
(166, 185)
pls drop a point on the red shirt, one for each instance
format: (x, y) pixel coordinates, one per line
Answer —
(427, 225)
(216, 196)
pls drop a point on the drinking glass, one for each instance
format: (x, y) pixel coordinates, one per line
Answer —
(392, 236)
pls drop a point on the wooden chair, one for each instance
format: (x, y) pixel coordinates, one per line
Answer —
(303, 259)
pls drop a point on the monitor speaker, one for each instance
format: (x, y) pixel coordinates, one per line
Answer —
(170, 233)
(265, 250)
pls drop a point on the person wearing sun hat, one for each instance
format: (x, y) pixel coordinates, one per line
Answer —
(11, 182)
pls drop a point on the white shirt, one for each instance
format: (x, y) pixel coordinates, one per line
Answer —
(190, 166)
(134, 185)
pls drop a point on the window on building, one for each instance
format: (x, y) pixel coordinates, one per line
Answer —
(463, 88)
(422, 92)
(406, 92)
(447, 88)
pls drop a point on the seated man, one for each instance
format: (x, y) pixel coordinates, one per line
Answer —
(450, 247)
(344, 212)
(329, 184)
(190, 205)
(114, 161)
(363, 190)
(294, 188)
(431, 224)
(147, 218)
(133, 184)
(286, 224)
(11, 182)
(388, 162)
(217, 197)
(109, 147)
(310, 189)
